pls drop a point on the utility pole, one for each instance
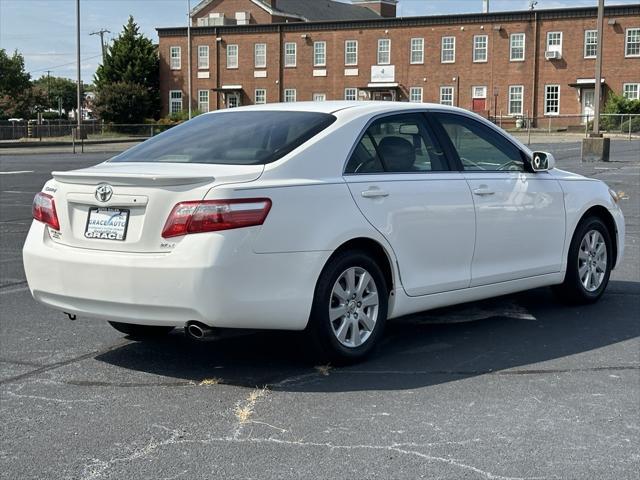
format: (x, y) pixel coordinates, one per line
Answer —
(79, 79)
(48, 88)
(101, 32)
(189, 53)
(598, 79)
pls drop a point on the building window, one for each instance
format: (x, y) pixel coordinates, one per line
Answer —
(552, 99)
(631, 91)
(175, 101)
(203, 57)
(448, 53)
(319, 54)
(417, 50)
(590, 43)
(480, 43)
(516, 50)
(351, 52)
(384, 51)
(290, 95)
(515, 99)
(351, 94)
(290, 54)
(632, 43)
(319, 97)
(203, 100)
(260, 55)
(446, 95)
(232, 56)
(415, 94)
(175, 58)
(554, 42)
(260, 97)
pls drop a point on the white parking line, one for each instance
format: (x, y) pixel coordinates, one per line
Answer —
(16, 172)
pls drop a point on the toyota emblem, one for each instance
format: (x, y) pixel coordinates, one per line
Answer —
(104, 192)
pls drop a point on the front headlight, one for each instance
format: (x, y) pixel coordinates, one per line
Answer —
(614, 195)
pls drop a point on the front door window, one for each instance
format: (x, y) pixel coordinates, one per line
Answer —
(588, 107)
(233, 100)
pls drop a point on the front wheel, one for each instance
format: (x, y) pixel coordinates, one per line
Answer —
(349, 308)
(589, 263)
(141, 332)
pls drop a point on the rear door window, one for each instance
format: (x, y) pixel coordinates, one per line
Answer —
(231, 138)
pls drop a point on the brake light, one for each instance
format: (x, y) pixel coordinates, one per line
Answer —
(215, 215)
(44, 210)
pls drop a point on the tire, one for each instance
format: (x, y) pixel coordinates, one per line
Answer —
(351, 337)
(587, 276)
(141, 332)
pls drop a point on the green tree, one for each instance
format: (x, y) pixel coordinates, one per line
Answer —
(15, 86)
(131, 59)
(52, 88)
(123, 102)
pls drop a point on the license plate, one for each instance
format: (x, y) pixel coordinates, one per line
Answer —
(107, 223)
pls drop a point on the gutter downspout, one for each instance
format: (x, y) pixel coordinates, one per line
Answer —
(216, 33)
(281, 64)
(534, 77)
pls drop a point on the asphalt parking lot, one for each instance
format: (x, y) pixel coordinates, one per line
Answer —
(516, 387)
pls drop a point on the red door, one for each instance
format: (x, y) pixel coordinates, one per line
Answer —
(479, 104)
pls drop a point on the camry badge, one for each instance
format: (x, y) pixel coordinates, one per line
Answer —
(104, 192)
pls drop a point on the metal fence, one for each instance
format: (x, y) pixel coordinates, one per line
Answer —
(65, 131)
(625, 125)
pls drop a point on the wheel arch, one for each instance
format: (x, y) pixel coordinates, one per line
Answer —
(603, 214)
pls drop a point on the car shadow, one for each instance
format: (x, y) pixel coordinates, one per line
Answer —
(510, 335)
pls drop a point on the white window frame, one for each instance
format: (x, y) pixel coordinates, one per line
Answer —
(203, 105)
(384, 53)
(512, 47)
(351, 94)
(416, 94)
(260, 55)
(172, 101)
(353, 51)
(555, 47)
(587, 34)
(515, 90)
(483, 95)
(416, 53)
(320, 54)
(480, 49)
(203, 57)
(451, 90)
(290, 95)
(290, 54)
(627, 34)
(451, 47)
(232, 59)
(319, 97)
(175, 61)
(546, 100)
(631, 84)
(260, 96)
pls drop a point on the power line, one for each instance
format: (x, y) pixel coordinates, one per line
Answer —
(64, 64)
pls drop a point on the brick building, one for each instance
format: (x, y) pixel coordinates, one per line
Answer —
(539, 62)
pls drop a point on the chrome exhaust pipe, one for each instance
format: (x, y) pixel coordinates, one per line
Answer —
(198, 331)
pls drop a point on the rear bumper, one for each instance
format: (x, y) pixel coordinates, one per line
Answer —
(213, 278)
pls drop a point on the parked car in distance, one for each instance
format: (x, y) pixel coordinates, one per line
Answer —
(328, 218)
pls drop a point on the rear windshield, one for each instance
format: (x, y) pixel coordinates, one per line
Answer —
(231, 138)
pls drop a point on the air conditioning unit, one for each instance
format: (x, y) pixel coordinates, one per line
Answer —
(552, 55)
(243, 18)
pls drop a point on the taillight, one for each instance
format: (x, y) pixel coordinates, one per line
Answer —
(215, 215)
(44, 210)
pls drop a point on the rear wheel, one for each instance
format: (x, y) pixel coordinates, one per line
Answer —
(589, 263)
(141, 332)
(349, 308)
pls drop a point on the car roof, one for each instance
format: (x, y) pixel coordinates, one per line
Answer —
(335, 107)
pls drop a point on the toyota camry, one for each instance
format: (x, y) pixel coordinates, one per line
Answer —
(328, 218)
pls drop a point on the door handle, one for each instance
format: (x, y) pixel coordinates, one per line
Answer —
(483, 190)
(374, 193)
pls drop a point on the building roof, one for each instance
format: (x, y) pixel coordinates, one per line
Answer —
(309, 10)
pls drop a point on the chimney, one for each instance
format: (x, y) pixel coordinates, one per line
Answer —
(384, 8)
(485, 6)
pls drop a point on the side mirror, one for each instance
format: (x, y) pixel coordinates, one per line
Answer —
(542, 161)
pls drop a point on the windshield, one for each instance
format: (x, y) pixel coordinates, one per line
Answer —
(231, 138)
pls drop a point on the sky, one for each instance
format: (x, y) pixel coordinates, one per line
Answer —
(44, 30)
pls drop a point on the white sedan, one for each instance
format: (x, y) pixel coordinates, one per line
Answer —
(325, 217)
